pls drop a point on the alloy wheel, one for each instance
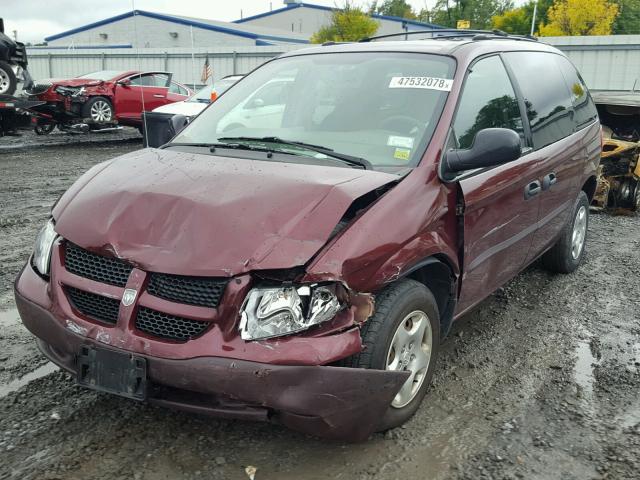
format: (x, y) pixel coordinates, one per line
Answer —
(579, 232)
(4, 82)
(410, 350)
(101, 112)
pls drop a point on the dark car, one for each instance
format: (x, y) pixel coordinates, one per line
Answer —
(13, 64)
(104, 98)
(304, 270)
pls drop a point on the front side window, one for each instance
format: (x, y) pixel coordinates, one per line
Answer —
(546, 95)
(381, 107)
(150, 80)
(487, 101)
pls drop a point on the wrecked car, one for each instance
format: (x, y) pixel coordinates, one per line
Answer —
(13, 64)
(305, 269)
(103, 99)
(619, 172)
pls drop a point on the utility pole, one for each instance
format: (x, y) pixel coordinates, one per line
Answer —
(533, 20)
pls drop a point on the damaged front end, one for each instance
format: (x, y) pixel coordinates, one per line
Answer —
(619, 172)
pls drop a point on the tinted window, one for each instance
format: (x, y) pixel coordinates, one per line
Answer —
(546, 95)
(488, 101)
(585, 110)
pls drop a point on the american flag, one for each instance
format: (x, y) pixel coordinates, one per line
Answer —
(207, 72)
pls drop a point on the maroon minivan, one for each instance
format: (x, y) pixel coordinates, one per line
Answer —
(299, 257)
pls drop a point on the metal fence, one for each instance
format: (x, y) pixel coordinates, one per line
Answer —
(186, 65)
(609, 62)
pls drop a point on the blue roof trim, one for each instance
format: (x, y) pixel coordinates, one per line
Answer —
(181, 21)
(330, 9)
(81, 47)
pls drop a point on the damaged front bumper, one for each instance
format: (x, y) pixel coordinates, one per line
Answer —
(331, 402)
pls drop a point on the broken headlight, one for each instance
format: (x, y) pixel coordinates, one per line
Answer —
(273, 312)
(42, 250)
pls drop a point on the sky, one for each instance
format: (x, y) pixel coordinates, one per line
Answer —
(36, 19)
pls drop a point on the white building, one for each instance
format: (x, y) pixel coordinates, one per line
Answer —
(297, 17)
(142, 29)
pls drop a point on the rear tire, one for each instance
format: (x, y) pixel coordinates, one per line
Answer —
(44, 128)
(8, 80)
(404, 304)
(567, 253)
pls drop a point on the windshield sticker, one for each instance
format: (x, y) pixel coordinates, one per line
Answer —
(430, 83)
(396, 141)
(402, 154)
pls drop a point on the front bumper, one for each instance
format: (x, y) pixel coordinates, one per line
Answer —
(331, 402)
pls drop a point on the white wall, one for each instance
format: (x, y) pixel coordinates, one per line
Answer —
(146, 32)
(307, 21)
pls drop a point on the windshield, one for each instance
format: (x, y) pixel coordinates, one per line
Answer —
(204, 95)
(380, 107)
(102, 75)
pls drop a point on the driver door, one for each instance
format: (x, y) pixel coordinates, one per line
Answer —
(500, 203)
(145, 91)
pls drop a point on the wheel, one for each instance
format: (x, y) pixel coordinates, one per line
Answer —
(567, 253)
(98, 109)
(403, 334)
(8, 80)
(636, 197)
(44, 128)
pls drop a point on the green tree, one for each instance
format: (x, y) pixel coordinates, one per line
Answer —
(519, 20)
(628, 20)
(395, 8)
(478, 12)
(580, 17)
(348, 24)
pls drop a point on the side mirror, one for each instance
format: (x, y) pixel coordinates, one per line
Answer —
(255, 103)
(178, 122)
(125, 82)
(491, 147)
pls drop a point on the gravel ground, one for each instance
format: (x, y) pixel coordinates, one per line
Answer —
(541, 381)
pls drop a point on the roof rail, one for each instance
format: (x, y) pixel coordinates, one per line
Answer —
(455, 33)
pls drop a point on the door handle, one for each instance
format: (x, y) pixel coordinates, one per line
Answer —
(532, 189)
(158, 95)
(549, 180)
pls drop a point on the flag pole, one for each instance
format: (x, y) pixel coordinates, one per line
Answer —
(533, 20)
(193, 58)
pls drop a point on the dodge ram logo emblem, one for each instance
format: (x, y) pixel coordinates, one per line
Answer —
(129, 297)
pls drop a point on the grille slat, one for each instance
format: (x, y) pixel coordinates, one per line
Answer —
(168, 326)
(96, 267)
(199, 291)
(103, 309)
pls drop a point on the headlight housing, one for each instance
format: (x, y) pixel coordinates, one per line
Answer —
(43, 246)
(277, 311)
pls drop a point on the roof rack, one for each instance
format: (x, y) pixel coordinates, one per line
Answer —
(455, 33)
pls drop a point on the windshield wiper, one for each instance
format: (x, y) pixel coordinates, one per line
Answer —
(329, 152)
(212, 146)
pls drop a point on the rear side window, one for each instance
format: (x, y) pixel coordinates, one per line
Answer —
(546, 96)
(487, 101)
(585, 110)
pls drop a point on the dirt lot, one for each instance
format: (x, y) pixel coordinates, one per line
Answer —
(542, 381)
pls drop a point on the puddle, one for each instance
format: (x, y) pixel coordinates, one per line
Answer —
(46, 369)
(9, 317)
(583, 372)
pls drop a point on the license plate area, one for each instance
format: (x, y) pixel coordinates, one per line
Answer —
(112, 372)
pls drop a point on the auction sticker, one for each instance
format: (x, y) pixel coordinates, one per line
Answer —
(430, 83)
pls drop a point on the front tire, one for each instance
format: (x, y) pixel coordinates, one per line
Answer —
(99, 110)
(567, 253)
(8, 80)
(44, 128)
(403, 334)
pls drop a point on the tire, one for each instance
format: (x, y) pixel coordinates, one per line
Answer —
(8, 80)
(394, 306)
(567, 253)
(44, 128)
(99, 110)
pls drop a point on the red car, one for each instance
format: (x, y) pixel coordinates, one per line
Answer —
(104, 98)
(302, 267)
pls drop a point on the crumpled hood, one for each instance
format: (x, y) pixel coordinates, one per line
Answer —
(193, 214)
